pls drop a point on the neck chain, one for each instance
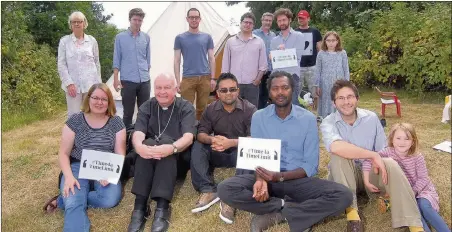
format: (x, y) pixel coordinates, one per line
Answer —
(157, 138)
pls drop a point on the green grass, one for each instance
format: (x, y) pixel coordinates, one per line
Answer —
(16, 119)
(30, 171)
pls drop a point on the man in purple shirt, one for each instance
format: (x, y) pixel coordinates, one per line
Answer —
(245, 57)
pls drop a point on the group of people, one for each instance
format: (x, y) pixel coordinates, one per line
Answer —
(170, 133)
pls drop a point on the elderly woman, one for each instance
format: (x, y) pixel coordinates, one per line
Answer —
(78, 62)
(95, 128)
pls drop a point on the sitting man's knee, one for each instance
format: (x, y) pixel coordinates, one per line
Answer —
(389, 163)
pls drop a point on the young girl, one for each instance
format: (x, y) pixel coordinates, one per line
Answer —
(403, 147)
(331, 65)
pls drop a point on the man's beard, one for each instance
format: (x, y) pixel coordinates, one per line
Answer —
(194, 27)
(284, 27)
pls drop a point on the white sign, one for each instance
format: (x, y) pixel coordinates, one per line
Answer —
(253, 152)
(98, 165)
(284, 58)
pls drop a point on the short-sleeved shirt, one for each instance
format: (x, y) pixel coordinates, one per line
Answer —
(98, 139)
(366, 132)
(230, 125)
(181, 121)
(298, 134)
(310, 38)
(194, 49)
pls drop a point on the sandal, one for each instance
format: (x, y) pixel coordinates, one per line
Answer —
(50, 207)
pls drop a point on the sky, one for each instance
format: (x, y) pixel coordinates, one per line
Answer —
(153, 10)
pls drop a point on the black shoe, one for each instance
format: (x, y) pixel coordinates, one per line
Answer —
(161, 220)
(138, 220)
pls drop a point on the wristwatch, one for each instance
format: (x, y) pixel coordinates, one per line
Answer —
(281, 178)
(174, 148)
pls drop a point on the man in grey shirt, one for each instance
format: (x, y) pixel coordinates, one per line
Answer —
(198, 76)
(132, 57)
(288, 38)
(352, 134)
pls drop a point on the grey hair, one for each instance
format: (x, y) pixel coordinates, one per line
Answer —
(77, 14)
(267, 14)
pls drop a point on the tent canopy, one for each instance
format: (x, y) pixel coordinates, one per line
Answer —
(173, 22)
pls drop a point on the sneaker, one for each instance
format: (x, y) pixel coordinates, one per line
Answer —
(205, 201)
(227, 213)
(384, 205)
(260, 223)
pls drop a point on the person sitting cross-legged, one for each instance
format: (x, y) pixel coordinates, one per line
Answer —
(312, 199)
(221, 124)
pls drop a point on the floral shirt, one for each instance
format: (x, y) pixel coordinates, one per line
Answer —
(78, 62)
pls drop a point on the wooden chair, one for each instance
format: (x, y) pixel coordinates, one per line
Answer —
(389, 98)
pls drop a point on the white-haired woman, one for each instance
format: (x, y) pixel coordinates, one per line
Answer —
(78, 62)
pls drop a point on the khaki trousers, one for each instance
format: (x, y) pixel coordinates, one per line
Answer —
(74, 104)
(199, 86)
(404, 209)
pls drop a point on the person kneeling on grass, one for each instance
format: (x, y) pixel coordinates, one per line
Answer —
(312, 199)
(227, 119)
(403, 147)
(95, 128)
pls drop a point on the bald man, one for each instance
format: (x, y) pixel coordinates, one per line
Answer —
(164, 129)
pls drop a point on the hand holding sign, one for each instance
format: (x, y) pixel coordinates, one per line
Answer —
(267, 175)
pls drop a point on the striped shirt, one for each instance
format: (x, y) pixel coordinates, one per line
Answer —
(415, 171)
(98, 139)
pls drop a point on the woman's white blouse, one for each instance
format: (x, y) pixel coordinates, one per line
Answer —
(78, 62)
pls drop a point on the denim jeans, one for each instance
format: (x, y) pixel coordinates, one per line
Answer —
(74, 206)
(430, 216)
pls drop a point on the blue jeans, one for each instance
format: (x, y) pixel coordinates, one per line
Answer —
(74, 206)
(430, 216)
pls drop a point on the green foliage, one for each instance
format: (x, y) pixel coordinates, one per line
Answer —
(29, 76)
(404, 47)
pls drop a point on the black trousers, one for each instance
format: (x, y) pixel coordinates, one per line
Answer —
(263, 91)
(156, 178)
(132, 93)
(203, 162)
(312, 199)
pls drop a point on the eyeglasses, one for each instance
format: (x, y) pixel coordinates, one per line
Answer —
(225, 90)
(349, 98)
(331, 40)
(104, 100)
(268, 20)
(247, 22)
(194, 17)
(77, 22)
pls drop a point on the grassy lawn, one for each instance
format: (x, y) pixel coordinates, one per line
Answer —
(30, 170)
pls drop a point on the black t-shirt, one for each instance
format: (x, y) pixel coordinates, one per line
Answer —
(182, 120)
(311, 37)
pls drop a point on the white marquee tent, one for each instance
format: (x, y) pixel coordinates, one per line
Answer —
(173, 22)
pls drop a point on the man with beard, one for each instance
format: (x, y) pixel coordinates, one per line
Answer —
(245, 57)
(288, 38)
(311, 45)
(164, 130)
(197, 49)
(132, 57)
(312, 199)
(221, 124)
(267, 35)
(352, 134)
